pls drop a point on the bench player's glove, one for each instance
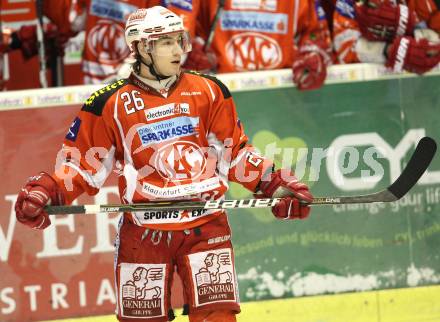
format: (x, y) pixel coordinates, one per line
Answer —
(309, 70)
(39, 191)
(26, 40)
(283, 184)
(383, 20)
(200, 59)
(417, 56)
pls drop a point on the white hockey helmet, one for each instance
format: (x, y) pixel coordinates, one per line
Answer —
(148, 25)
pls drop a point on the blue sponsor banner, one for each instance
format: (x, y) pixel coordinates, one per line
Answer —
(274, 23)
(111, 9)
(181, 4)
(73, 130)
(345, 8)
(168, 130)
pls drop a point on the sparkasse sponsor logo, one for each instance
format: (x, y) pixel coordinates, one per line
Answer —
(167, 130)
(111, 10)
(274, 23)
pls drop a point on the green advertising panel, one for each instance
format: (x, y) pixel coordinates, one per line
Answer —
(342, 248)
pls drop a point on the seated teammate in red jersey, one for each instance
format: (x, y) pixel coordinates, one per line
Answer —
(263, 35)
(105, 51)
(386, 32)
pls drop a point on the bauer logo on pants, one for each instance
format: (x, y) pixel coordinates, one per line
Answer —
(213, 276)
(141, 291)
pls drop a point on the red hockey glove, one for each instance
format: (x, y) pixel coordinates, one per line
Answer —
(382, 20)
(26, 40)
(417, 56)
(309, 71)
(39, 191)
(200, 60)
(283, 184)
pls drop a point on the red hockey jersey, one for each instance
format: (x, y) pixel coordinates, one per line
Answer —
(104, 24)
(257, 35)
(105, 48)
(346, 30)
(186, 146)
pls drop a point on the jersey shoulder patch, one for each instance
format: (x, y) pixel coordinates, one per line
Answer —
(96, 102)
(225, 90)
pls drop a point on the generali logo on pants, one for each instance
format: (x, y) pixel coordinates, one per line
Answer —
(213, 276)
(141, 292)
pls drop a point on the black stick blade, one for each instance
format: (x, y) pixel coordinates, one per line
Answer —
(415, 168)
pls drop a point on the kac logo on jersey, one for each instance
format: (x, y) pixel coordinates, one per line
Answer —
(180, 160)
(106, 42)
(253, 51)
(168, 130)
(73, 130)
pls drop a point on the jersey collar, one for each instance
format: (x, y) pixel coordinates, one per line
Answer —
(161, 87)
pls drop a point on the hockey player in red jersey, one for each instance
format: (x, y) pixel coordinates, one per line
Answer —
(261, 35)
(56, 33)
(103, 21)
(386, 32)
(172, 135)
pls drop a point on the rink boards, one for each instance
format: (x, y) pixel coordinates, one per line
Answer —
(403, 305)
(66, 271)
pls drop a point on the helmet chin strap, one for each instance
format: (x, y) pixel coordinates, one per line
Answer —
(152, 69)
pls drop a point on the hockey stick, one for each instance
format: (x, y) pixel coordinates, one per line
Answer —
(40, 40)
(218, 12)
(2, 59)
(56, 65)
(415, 168)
